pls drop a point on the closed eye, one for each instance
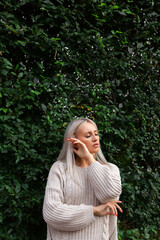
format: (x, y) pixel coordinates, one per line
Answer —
(96, 134)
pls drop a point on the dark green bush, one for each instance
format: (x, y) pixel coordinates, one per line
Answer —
(65, 59)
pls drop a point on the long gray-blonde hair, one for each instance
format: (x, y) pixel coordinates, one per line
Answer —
(67, 153)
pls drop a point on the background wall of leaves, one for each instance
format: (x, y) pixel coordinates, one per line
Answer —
(65, 59)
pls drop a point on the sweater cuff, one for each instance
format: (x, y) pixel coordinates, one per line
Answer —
(92, 213)
(94, 165)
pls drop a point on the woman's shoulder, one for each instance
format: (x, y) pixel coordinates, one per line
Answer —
(58, 166)
(113, 168)
(56, 174)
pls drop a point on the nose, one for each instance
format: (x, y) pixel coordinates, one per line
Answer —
(94, 138)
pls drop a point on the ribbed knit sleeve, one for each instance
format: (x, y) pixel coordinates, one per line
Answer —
(56, 213)
(105, 181)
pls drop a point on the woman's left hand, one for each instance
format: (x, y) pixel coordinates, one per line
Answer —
(108, 208)
(113, 206)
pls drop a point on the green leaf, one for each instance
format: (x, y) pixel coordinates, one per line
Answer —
(20, 75)
(35, 92)
(4, 110)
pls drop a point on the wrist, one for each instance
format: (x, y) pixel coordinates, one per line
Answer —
(90, 159)
(94, 210)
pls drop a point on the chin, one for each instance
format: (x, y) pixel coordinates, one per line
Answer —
(96, 151)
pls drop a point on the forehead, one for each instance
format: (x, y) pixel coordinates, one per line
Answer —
(87, 127)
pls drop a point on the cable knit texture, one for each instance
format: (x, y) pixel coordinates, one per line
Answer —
(68, 202)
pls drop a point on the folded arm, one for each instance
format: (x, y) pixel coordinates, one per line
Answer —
(59, 215)
(105, 181)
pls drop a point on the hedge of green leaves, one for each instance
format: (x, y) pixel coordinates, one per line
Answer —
(63, 59)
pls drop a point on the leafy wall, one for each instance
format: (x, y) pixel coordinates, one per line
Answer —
(63, 59)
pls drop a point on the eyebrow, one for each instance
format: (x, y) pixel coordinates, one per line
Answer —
(91, 132)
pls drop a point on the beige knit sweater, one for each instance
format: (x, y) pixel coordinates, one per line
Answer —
(68, 203)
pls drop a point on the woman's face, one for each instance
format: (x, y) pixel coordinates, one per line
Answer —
(88, 134)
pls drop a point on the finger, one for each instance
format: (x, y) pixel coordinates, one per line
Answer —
(74, 140)
(120, 209)
(108, 210)
(116, 201)
(113, 209)
(71, 139)
(75, 150)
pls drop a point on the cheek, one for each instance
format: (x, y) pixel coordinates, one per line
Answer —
(85, 141)
(88, 144)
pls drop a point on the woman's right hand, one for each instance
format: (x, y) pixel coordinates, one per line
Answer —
(108, 208)
(81, 150)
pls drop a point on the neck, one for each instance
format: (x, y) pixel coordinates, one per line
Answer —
(80, 162)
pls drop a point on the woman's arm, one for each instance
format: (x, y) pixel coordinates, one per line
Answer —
(61, 216)
(105, 181)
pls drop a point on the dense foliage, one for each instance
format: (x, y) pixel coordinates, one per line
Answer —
(63, 59)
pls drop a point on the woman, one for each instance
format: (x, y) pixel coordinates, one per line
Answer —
(82, 192)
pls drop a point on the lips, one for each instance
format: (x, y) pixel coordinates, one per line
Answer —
(96, 145)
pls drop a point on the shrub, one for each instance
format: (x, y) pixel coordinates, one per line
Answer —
(65, 59)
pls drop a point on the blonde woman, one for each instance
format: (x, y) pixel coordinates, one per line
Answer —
(82, 191)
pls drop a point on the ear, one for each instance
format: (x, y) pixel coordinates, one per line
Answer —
(74, 135)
